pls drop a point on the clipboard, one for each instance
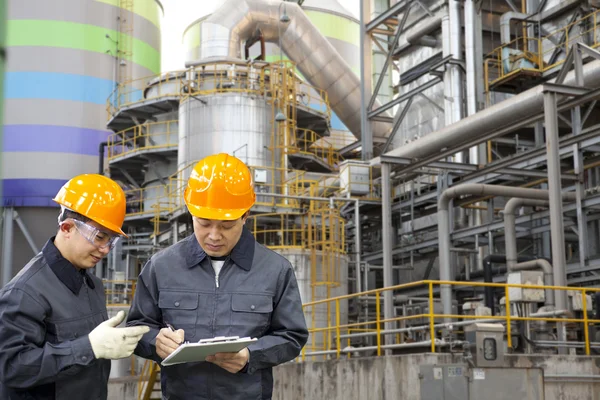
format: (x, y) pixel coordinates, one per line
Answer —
(198, 351)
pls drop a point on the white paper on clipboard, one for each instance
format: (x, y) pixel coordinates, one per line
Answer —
(196, 352)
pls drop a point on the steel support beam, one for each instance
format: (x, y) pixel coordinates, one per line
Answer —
(389, 14)
(7, 245)
(557, 233)
(388, 59)
(25, 231)
(404, 97)
(387, 231)
(365, 81)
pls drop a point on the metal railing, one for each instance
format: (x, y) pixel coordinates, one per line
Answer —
(119, 293)
(307, 142)
(326, 340)
(262, 79)
(539, 55)
(150, 200)
(148, 136)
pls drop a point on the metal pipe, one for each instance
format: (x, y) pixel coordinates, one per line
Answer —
(545, 266)
(556, 208)
(493, 118)
(510, 233)
(471, 52)
(427, 343)
(365, 79)
(386, 220)
(456, 50)
(357, 244)
(420, 328)
(101, 147)
(444, 224)
(25, 231)
(505, 20)
(7, 245)
(549, 14)
(419, 36)
(318, 61)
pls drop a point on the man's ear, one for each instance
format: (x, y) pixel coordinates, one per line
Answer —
(66, 227)
(245, 217)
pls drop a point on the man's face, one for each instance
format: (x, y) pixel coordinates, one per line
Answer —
(82, 252)
(218, 238)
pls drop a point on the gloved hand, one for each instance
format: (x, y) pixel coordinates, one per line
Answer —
(112, 343)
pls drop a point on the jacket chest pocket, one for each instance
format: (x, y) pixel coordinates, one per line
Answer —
(251, 313)
(62, 331)
(180, 309)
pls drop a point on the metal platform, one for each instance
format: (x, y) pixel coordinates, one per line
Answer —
(137, 113)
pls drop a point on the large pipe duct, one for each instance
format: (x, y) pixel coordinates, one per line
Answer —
(444, 224)
(420, 35)
(510, 230)
(493, 118)
(546, 267)
(237, 20)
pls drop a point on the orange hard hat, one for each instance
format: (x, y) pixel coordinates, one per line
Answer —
(220, 188)
(96, 197)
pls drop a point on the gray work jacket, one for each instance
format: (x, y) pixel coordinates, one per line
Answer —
(255, 295)
(46, 314)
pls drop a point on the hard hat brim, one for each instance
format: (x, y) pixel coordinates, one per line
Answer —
(219, 214)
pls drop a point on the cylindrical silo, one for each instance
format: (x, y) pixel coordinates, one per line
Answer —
(334, 22)
(63, 62)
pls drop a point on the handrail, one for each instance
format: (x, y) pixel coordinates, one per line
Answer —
(430, 316)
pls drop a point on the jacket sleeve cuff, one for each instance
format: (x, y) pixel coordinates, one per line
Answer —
(82, 351)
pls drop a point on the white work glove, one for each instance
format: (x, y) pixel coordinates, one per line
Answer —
(112, 343)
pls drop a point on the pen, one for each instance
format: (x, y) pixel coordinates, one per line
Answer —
(171, 328)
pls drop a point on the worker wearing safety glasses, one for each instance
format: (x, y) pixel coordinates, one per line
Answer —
(56, 340)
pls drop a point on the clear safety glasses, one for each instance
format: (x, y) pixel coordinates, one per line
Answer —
(95, 236)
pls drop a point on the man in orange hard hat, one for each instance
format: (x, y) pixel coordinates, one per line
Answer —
(219, 282)
(56, 340)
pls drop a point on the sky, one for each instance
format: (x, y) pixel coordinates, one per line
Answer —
(180, 13)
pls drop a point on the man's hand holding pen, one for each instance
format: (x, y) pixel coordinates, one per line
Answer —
(167, 340)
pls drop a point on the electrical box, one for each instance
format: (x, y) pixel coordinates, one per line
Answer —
(260, 176)
(460, 382)
(577, 300)
(526, 278)
(355, 177)
(486, 344)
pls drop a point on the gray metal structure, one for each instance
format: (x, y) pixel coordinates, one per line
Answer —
(422, 149)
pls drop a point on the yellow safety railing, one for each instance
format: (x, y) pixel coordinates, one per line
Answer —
(326, 339)
(148, 377)
(280, 231)
(119, 293)
(151, 135)
(150, 200)
(539, 55)
(307, 142)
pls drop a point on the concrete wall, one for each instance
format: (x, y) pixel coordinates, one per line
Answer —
(397, 377)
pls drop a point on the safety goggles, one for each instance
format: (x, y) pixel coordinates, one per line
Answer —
(97, 237)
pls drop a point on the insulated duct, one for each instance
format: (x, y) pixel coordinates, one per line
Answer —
(236, 21)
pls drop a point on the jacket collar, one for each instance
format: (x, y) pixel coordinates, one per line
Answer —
(242, 253)
(70, 276)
